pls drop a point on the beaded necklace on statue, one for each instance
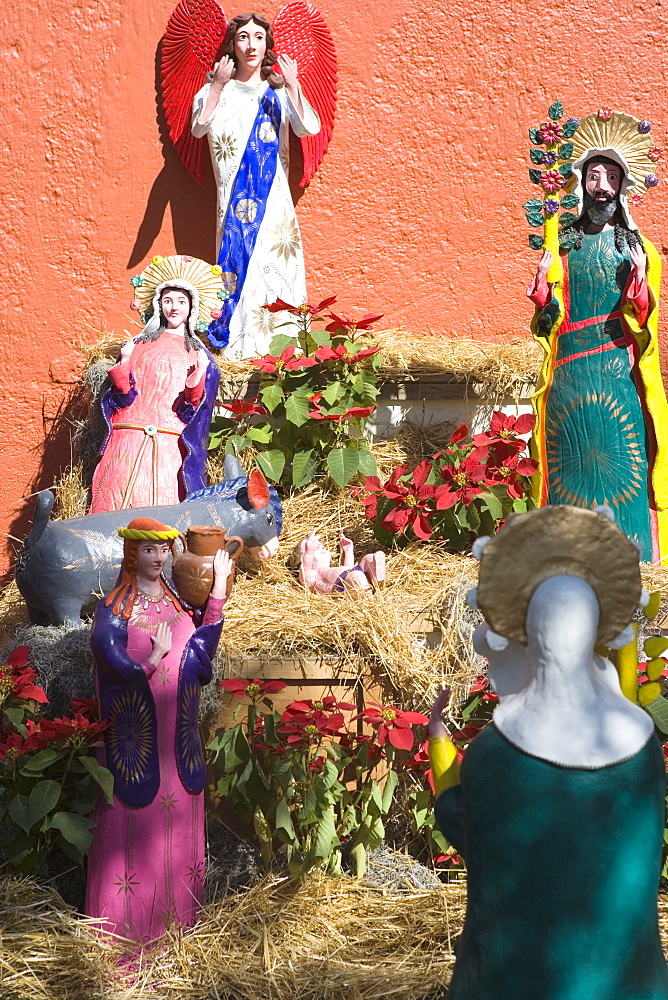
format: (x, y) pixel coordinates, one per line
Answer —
(146, 622)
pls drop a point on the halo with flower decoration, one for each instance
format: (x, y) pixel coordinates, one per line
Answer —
(628, 136)
(205, 278)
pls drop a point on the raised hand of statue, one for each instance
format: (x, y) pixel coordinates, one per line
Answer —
(544, 264)
(638, 261)
(127, 349)
(162, 643)
(289, 70)
(436, 725)
(223, 569)
(223, 72)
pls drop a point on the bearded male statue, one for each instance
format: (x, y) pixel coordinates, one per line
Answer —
(602, 420)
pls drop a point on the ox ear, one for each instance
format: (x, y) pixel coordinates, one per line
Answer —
(258, 489)
(233, 468)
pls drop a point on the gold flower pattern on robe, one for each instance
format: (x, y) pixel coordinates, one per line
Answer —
(224, 147)
(287, 238)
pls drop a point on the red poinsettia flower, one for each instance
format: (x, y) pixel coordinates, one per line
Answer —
(309, 727)
(279, 305)
(327, 704)
(352, 325)
(341, 353)
(15, 745)
(509, 468)
(19, 657)
(353, 411)
(420, 762)
(78, 728)
(286, 360)
(413, 501)
(393, 725)
(245, 408)
(462, 482)
(254, 689)
(506, 429)
(88, 707)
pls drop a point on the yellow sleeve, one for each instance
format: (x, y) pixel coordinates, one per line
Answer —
(444, 764)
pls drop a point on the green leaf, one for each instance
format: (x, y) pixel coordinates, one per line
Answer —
(39, 761)
(658, 709)
(19, 812)
(567, 219)
(556, 111)
(297, 409)
(535, 241)
(260, 433)
(567, 239)
(391, 782)
(74, 828)
(284, 827)
(367, 462)
(102, 776)
(304, 467)
(566, 151)
(532, 203)
(570, 128)
(272, 396)
(359, 856)
(565, 169)
(326, 837)
(272, 463)
(342, 465)
(44, 796)
(333, 392)
(534, 136)
(534, 175)
(570, 201)
(535, 219)
(537, 155)
(15, 716)
(422, 807)
(520, 505)
(320, 337)
(278, 343)
(493, 504)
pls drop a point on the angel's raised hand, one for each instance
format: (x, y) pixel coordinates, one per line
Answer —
(223, 72)
(289, 70)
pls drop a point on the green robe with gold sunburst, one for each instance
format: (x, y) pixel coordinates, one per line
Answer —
(596, 444)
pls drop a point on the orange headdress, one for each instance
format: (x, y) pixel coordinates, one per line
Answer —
(141, 529)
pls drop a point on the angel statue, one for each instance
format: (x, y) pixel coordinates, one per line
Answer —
(163, 389)
(219, 81)
(602, 417)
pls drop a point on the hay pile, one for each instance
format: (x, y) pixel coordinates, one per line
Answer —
(329, 939)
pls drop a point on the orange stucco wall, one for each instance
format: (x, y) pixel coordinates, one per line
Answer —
(414, 213)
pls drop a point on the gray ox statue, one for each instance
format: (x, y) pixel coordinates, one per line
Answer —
(64, 564)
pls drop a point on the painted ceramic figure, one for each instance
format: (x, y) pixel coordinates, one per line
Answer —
(559, 807)
(316, 572)
(163, 389)
(251, 97)
(601, 408)
(152, 655)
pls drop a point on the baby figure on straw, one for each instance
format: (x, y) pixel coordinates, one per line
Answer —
(316, 572)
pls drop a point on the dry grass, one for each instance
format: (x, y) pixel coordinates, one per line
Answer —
(328, 939)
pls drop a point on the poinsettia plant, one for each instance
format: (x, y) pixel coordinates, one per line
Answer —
(462, 492)
(318, 389)
(306, 780)
(50, 779)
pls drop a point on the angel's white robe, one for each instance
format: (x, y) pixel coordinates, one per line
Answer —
(276, 267)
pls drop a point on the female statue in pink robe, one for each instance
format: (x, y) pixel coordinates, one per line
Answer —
(152, 653)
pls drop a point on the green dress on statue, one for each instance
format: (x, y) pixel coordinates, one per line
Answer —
(595, 433)
(563, 871)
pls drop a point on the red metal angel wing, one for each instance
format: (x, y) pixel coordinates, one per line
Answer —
(194, 33)
(301, 33)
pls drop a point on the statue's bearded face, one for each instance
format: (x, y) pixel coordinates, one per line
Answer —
(602, 182)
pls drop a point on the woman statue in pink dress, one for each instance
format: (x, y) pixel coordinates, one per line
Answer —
(163, 389)
(152, 654)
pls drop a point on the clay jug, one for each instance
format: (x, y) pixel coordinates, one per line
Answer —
(192, 571)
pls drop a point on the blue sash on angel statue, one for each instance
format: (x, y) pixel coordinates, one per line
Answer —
(246, 209)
